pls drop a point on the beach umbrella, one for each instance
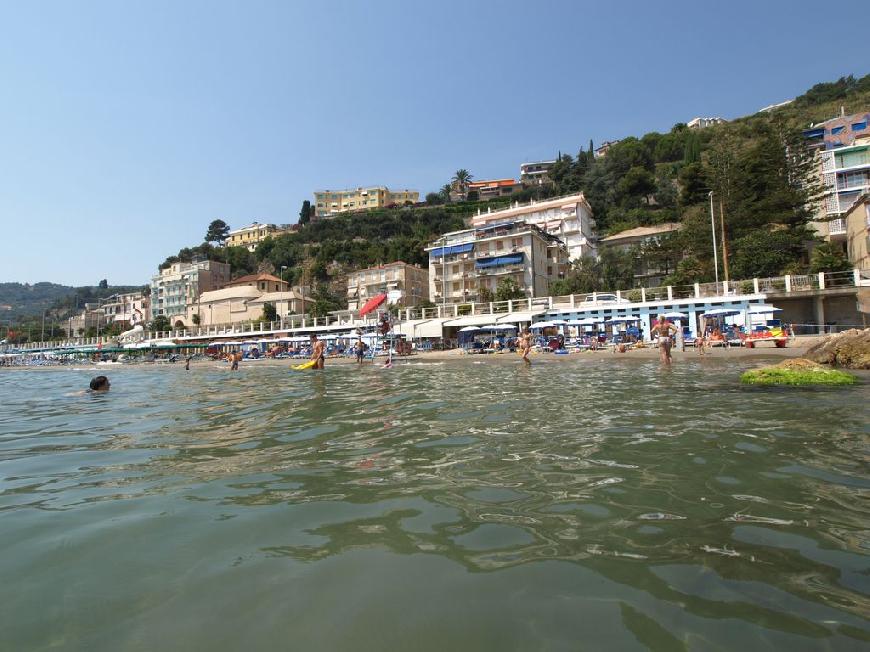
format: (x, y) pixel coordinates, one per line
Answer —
(675, 315)
(469, 329)
(721, 312)
(588, 321)
(542, 324)
(764, 309)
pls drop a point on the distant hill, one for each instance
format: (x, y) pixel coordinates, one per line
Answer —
(22, 300)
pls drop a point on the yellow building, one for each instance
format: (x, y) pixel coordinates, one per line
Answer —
(331, 202)
(253, 234)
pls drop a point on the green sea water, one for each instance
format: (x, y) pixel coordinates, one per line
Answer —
(578, 504)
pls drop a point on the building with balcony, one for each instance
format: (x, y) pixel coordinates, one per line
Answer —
(836, 132)
(703, 123)
(604, 148)
(568, 218)
(253, 234)
(178, 286)
(846, 176)
(648, 271)
(405, 285)
(332, 202)
(463, 263)
(536, 173)
(129, 308)
(491, 188)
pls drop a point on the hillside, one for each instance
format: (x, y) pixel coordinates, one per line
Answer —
(657, 178)
(19, 301)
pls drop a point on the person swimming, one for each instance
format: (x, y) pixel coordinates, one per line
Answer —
(100, 384)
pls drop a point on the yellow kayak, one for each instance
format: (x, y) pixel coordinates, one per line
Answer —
(305, 365)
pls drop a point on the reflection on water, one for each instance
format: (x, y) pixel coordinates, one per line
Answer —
(573, 504)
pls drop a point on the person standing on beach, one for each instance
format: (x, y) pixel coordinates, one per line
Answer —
(318, 353)
(235, 358)
(526, 345)
(360, 350)
(662, 329)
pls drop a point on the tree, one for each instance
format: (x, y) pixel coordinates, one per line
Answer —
(325, 301)
(472, 195)
(446, 189)
(462, 178)
(485, 295)
(434, 198)
(826, 258)
(196, 319)
(104, 284)
(160, 323)
(305, 213)
(269, 312)
(217, 232)
(508, 289)
(637, 185)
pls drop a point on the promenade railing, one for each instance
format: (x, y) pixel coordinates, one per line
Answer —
(788, 284)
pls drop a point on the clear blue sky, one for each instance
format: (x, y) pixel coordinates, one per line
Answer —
(125, 127)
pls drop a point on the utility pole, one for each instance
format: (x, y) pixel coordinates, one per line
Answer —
(724, 241)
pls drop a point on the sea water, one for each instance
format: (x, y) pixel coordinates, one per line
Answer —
(580, 503)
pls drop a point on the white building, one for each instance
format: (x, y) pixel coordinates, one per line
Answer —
(845, 173)
(703, 123)
(568, 218)
(178, 286)
(128, 308)
(463, 263)
(536, 173)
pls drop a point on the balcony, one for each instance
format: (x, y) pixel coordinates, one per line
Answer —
(837, 227)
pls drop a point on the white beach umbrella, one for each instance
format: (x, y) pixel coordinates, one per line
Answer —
(469, 329)
(675, 315)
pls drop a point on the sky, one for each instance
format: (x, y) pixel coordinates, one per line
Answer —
(126, 127)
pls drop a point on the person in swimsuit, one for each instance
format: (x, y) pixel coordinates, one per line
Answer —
(99, 384)
(526, 345)
(234, 358)
(662, 329)
(360, 350)
(318, 352)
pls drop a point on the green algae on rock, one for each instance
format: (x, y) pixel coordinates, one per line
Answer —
(797, 372)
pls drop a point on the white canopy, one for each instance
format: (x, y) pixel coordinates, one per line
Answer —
(721, 312)
(518, 317)
(763, 309)
(468, 329)
(499, 327)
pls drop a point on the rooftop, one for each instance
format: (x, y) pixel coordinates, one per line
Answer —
(492, 182)
(253, 278)
(238, 292)
(643, 231)
(252, 225)
(534, 207)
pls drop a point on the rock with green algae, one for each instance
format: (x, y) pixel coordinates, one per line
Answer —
(849, 349)
(797, 372)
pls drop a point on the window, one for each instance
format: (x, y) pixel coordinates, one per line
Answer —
(859, 126)
(499, 245)
(837, 130)
(456, 286)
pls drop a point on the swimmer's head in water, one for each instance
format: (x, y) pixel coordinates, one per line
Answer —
(99, 384)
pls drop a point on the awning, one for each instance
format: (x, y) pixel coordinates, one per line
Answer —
(420, 328)
(509, 259)
(471, 320)
(518, 317)
(372, 303)
(455, 249)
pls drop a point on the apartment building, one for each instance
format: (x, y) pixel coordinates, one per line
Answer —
(647, 272)
(262, 282)
(253, 234)
(703, 123)
(536, 173)
(838, 132)
(178, 286)
(332, 202)
(405, 285)
(858, 234)
(237, 304)
(91, 318)
(568, 218)
(127, 308)
(846, 176)
(463, 263)
(491, 188)
(604, 148)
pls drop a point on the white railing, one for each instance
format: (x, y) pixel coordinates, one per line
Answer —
(456, 308)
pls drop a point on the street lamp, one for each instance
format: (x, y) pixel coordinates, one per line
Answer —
(713, 230)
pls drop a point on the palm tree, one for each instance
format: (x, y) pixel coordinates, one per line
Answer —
(446, 189)
(462, 177)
